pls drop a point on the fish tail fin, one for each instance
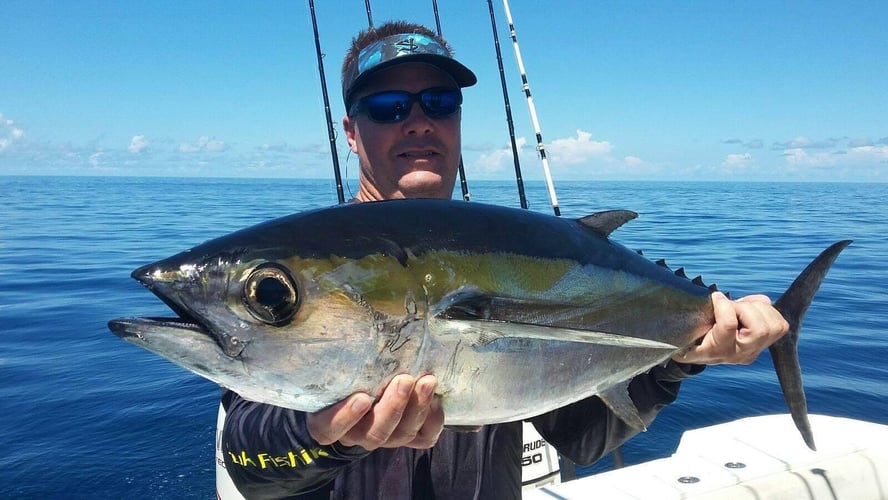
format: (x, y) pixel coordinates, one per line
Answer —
(793, 305)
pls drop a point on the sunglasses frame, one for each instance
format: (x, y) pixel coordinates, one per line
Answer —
(362, 105)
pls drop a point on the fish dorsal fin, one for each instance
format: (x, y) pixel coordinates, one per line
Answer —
(604, 223)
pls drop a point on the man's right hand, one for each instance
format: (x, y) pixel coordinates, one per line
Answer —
(407, 414)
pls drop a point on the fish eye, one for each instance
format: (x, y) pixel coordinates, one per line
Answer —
(270, 294)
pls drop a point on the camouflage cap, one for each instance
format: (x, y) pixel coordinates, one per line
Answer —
(402, 48)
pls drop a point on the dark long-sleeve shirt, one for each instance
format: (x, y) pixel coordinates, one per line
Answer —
(270, 454)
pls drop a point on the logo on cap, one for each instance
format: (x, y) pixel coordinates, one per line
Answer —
(406, 45)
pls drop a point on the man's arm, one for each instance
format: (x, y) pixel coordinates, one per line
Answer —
(587, 430)
(269, 452)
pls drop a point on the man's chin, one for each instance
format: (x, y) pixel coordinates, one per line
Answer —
(425, 184)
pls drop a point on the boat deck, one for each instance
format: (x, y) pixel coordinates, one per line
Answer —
(752, 458)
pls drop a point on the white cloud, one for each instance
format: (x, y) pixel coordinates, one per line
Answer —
(10, 133)
(796, 156)
(280, 147)
(497, 160)
(633, 161)
(95, 159)
(563, 153)
(869, 153)
(138, 144)
(579, 149)
(737, 159)
(203, 144)
(852, 157)
(803, 142)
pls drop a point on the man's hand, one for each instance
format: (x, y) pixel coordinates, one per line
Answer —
(407, 414)
(743, 329)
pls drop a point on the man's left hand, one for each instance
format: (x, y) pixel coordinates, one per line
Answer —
(743, 329)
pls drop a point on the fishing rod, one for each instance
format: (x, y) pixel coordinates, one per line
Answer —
(331, 131)
(369, 13)
(536, 124)
(437, 18)
(499, 61)
(462, 171)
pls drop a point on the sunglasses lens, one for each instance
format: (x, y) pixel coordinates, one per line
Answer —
(441, 103)
(388, 106)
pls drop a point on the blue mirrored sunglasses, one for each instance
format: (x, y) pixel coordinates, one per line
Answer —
(394, 105)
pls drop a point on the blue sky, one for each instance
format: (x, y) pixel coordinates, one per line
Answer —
(752, 91)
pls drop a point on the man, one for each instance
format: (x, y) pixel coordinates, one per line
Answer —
(401, 89)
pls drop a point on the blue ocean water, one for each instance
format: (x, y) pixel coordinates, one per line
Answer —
(85, 415)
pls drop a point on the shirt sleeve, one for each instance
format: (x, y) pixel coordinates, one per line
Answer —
(269, 452)
(587, 430)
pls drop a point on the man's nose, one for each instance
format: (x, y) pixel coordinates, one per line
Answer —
(417, 122)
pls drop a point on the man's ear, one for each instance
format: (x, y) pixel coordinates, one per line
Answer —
(349, 128)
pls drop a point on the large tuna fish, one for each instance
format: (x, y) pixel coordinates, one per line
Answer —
(515, 312)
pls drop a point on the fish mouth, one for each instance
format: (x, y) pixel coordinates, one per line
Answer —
(181, 342)
(135, 328)
(151, 277)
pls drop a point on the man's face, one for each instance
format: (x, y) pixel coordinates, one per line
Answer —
(414, 158)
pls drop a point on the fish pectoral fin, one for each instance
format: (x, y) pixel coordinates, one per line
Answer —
(466, 302)
(617, 399)
(470, 302)
(486, 332)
